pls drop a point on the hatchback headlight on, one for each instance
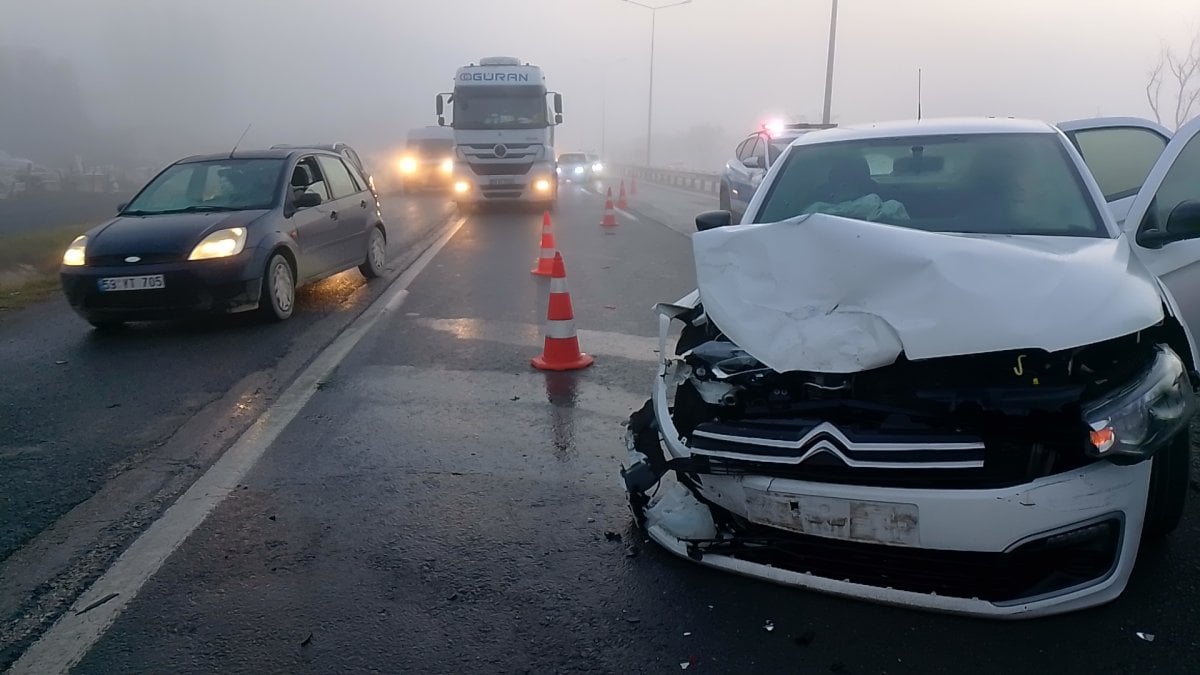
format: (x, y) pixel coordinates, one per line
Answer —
(220, 244)
(76, 253)
(1131, 424)
(597, 167)
(408, 165)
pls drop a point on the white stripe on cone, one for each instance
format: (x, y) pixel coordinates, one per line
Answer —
(560, 329)
(558, 285)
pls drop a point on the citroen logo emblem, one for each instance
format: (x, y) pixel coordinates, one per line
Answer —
(133, 259)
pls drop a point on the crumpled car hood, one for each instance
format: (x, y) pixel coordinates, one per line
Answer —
(837, 295)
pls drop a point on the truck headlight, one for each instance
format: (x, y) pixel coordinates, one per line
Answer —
(76, 253)
(448, 165)
(597, 167)
(220, 244)
(1129, 425)
(579, 171)
(462, 187)
(541, 185)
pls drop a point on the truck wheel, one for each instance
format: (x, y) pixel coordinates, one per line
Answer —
(1168, 487)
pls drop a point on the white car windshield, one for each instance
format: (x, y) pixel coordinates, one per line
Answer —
(970, 183)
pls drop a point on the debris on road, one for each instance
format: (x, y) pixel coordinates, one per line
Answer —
(60, 363)
(271, 518)
(307, 640)
(687, 634)
(591, 520)
(769, 625)
(612, 536)
(683, 665)
(1148, 637)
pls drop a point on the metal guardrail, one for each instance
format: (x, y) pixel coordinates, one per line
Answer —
(696, 181)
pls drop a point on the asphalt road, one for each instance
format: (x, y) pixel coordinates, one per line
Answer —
(437, 506)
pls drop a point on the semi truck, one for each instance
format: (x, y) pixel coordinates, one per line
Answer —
(503, 120)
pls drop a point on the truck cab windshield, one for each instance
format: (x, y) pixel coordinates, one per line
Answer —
(500, 108)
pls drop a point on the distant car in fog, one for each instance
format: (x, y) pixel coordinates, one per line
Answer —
(346, 152)
(578, 167)
(428, 159)
(226, 233)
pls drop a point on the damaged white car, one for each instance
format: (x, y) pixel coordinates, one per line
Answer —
(930, 369)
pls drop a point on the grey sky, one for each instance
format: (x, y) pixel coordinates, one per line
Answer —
(195, 72)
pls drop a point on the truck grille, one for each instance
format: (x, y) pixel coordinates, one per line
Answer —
(501, 168)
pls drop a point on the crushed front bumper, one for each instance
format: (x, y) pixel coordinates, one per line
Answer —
(1057, 544)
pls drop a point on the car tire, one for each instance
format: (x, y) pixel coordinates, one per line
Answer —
(372, 266)
(278, 299)
(1169, 479)
(723, 199)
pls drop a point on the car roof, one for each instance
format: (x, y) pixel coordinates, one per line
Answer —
(272, 153)
(927, 127)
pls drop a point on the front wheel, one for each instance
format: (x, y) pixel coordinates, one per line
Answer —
(278, 299)
(372, 265)
(1168, 486)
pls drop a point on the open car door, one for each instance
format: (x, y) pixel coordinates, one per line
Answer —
(1163, 225)
(1120, 152)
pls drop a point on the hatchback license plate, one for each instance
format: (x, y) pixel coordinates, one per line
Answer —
(143, 283)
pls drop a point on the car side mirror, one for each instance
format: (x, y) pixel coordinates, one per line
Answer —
(753, 162)
(1184, 220)
(306, 200)
(1182, 223)
(711, 220)
(121, 206)
(558, 118)
(441, 120)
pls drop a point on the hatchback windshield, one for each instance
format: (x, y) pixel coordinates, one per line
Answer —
(218, 185)
(573, 158)
(974, 183)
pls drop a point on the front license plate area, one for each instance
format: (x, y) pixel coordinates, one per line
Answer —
(848, 519)
(146, 282)
(503, 181)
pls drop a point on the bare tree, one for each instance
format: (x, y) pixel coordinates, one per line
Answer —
(1179, 73)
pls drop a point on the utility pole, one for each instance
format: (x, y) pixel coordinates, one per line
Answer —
(829, 63)
(650, 103)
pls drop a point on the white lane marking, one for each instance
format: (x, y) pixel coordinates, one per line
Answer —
(595, 342)
(627, 215)
(70, 638)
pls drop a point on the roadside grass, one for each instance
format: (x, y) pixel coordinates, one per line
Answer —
(29, 264)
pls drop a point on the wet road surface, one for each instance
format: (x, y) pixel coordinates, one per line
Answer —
(439, 506)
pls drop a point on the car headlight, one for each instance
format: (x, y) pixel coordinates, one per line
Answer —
(558, 170)
(220, 244)
(597, 167)
(408, 165)
(1132, 423)
(76, 253)
(448, 165)
(579, 171)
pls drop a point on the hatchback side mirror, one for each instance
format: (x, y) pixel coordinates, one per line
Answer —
(306, 200)
(711, 220)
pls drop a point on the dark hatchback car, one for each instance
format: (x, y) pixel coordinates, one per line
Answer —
(226, 233)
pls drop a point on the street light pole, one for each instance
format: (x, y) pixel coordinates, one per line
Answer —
(829, 62)
(650, 103)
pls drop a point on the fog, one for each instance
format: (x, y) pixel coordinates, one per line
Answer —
(146, 81)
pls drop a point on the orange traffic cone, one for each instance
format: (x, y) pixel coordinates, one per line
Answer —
(622, 201)
(544, 265)
(610, 215)
(562, 344)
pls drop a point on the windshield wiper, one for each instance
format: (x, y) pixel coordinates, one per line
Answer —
(197, 208)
